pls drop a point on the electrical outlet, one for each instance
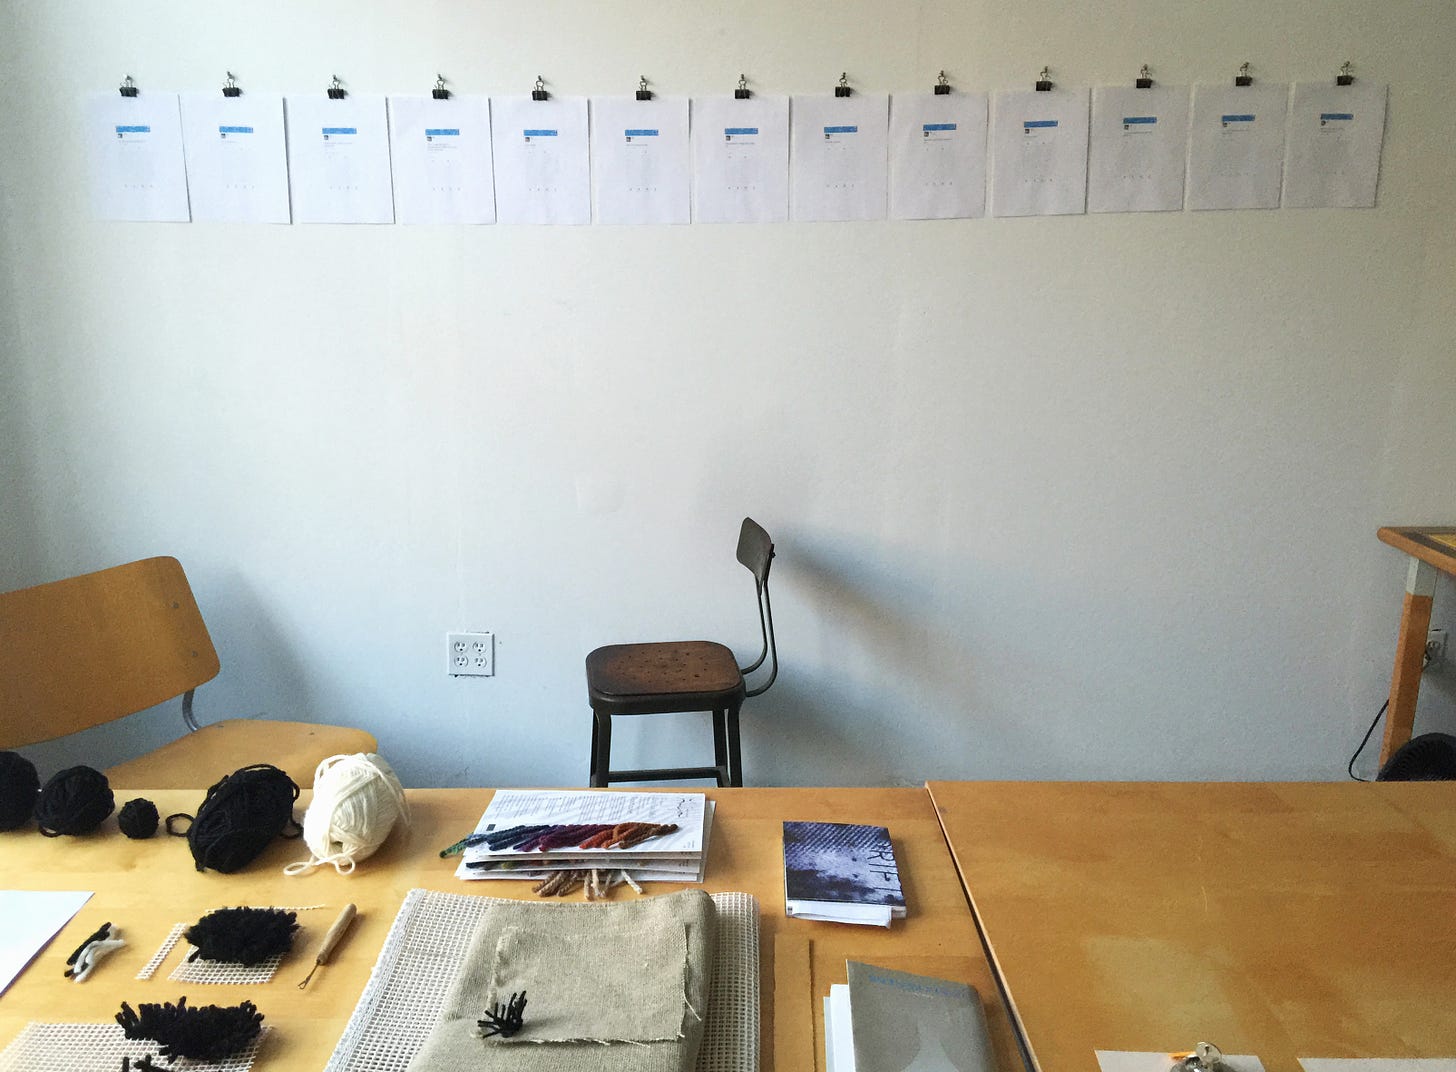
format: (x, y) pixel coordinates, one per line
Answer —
(470, 654)
(1435, 647)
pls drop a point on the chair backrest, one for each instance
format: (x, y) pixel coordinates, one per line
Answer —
(756, 552)
(94, 648)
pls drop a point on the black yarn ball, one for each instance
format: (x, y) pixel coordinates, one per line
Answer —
(243, 935)
(138, 818)
(208, 1033)
(19, 785)
(239, 816)
(75, 801)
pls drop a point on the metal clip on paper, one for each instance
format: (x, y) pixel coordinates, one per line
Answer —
(230, 87)
(942, 86)
(742, 92)
(1044, 81)
(337, 90)
(1205, 1057)
(1345, 78)
(539, 93)
(1144, 79)
(643, 93)
(128, 88)
(1244, 78)
(843, 90)
(440, 92)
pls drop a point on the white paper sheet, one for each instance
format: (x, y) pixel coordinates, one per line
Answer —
(137, 167)
(839, 169)
(937, 156)
(741, 159)
(1139, 1061)
(542, 164)
(838, 1030)
(237, 162)
(1236, 146)
(440, 156)
(1138, 149)
(1335, 134)
(1039, 153)
(641, 160)
(28, 920)
(1378, 1064)
(338, 159)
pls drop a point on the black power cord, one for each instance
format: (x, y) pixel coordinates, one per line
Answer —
(1425, 662)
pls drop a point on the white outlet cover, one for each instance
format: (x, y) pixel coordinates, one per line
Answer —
(470, 654)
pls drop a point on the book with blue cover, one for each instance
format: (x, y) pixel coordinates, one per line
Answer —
(841, 872)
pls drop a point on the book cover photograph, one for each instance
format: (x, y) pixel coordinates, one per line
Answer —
(841, 863)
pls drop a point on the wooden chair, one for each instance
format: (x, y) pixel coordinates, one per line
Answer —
(91, 649)
(682, 676)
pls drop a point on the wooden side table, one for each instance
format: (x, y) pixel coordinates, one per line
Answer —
(1430, 549)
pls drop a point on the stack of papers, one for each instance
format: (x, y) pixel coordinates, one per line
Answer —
(841, 873)
(678, 856)
(883, 1020)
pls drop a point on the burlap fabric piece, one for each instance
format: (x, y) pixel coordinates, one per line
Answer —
(642, 971)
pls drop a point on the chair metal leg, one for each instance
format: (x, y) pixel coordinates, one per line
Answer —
(720, 745)
(601, 749)
(735, 757)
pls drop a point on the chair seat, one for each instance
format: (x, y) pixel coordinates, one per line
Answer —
(620, 674)
(219, 748)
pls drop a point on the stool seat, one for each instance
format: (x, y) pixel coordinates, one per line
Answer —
(671, 672)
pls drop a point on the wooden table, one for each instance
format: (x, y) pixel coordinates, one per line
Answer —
(1283, 920)
(146, 886)
(1430, 550)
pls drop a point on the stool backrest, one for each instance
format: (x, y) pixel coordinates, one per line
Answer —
(90, 649)
(756, 552)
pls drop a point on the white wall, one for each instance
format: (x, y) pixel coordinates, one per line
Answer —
(1076, 497)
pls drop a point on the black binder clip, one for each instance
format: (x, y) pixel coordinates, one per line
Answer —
(337, 90)
(942, 87)
(1044, 81)
(742, 92)
(1244, 78)
(643, 93)
(539, 93)
(843, 90)
(440, 92)
(128, 88)
(231, 87)
(1144, 80)
(1345, 78)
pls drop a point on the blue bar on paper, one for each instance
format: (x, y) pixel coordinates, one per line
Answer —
(841, 130)
(539, 133)
(641, 133)
(1238, 119)
(340, 130)
(730, 131)
(235, 130)
(133, 130)
(1326, 116)
(442, 132)
(1139, 120)
(938, 126)
(1039, 123)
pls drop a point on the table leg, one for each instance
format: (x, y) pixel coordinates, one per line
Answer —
(1410, 651)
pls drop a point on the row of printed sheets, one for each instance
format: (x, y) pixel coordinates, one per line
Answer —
(368, 159)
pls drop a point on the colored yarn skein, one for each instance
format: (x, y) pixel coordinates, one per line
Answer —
(19, 787)
(357, 799)
(239, 816)
(75, 801)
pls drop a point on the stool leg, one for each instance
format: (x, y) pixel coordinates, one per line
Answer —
(601, 749)
(720, 745)
(735, 757)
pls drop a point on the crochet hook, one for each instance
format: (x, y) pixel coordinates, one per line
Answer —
(331, 939)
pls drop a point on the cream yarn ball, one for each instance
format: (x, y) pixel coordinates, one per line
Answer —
(357, 799)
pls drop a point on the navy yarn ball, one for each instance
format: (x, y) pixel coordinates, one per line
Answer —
(19, 786)
(75, 801)
(138, 818)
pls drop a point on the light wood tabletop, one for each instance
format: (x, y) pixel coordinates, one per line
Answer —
(144, 887)
(1282, 920)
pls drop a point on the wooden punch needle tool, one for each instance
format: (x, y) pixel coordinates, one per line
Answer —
(332, 939)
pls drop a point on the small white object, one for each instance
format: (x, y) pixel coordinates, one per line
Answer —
(357, 799)
(91, 954)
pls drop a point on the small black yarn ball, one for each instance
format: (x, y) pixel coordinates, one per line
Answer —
(138, 818)
(19, 786)
(75, 801)
(241, 814)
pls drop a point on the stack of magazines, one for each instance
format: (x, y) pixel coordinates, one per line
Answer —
(533, 833)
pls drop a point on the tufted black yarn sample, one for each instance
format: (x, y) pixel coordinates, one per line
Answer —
(242, 935)
(74, 801)
(19, 785)
(138, 818)
(208, 1033)
(239, 816)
